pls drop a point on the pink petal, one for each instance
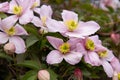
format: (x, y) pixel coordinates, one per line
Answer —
(81, 48)
(94, 59)
(110, 55)
(45, 11)
(19, 44)
(9, 22)
(4, 7)
(55, 42)
(20, 30)
(26, 17)
(55, 26)
(96, 40)
(74, 34)
(73, 57)
(37, 10)
(54, 57)
(115, 64)
(3, 38)
(36, 21)
(107, 68)
(11, 5)
(69, 15)
(87, 28)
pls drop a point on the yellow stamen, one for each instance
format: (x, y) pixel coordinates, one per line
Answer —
(103, 53)
(89, 45)
(11, 31)
(17, 10)
(64, 48)
(43, 19)
(71, 24)
(118, 76)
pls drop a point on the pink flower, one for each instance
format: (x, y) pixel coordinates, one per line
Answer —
(10, 32)
(115, 38)
(43, 75)
(44, 12)
(63, 50)
(70, 26)
(22, 10)
(4, 7)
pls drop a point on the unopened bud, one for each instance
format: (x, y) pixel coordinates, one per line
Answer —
(115, 38)
(78, 74)
(43, 75)
(9, 48)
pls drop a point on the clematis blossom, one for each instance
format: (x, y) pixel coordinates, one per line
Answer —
(45, 12)
(71, 26)
(22, 10)
(4, 7)
(63, 50)
(10, 33)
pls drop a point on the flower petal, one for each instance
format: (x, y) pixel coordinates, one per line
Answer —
(96, 39)
(3, 38)
(26, 17)
(45, 11)
(55, 26)
(54, 57)
(19, 44)
(36, 21)
(69, 15)
(11, 6)
(20, 30)
(4, 7)
(55, 42)
(87, 28)
(107, 68)
(73, 57)
(9, 22)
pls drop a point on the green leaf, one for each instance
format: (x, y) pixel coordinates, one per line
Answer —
(5, 56)
(31, 40)
(2, 15)
(30, 64)
(30, 75)
(53, 75)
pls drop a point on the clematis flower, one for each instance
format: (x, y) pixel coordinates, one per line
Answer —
(44, 12)
(22, 10)
(4, 7)
(70, 26)
(11, 33)
(63, 50)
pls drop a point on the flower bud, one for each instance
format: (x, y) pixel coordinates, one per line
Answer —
(115, 38)
(43, 75)
(9, 48)
(78, 74)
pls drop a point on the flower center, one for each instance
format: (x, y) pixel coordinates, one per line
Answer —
(11, 31)
(64, 48)
(103, 54)
(89, 45)
(71, 24)
(43, 19)
(35, 4)
(17, 10)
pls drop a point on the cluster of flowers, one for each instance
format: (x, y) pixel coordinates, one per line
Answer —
(80, 43)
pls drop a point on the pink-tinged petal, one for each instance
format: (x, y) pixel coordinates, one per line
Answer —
(87, 28)
(9, 22)
(20, 30)
(74, 34)
(36, 21)
(107, 68)
(110, 55)
(115, 64)
(80, 48)
(87, 59)
(73, 57)
(4, 7)
(19, 44)
(26, 17)
(55, 26)
(96, 40)
(11, 5)
(37, 10)
(3, 38)
(45, 11)
(55, 42)
(94, 59)
(69, 15)
(54, 57)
